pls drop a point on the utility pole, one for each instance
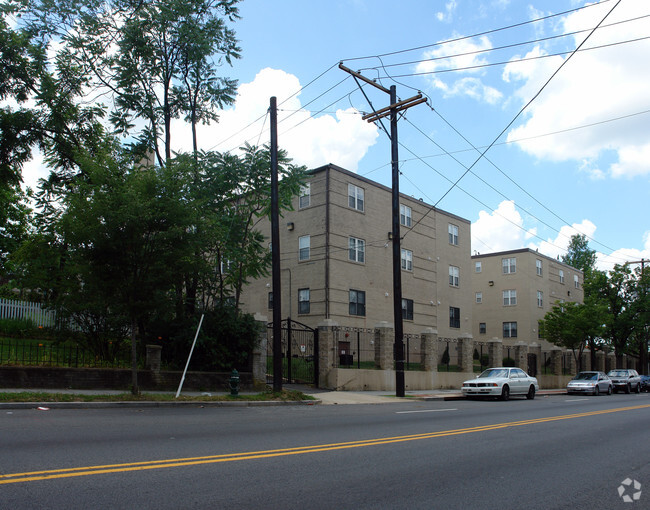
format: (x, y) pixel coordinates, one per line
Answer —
(275, 253)
(392, 111)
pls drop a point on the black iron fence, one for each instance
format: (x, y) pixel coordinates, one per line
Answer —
(55, 355)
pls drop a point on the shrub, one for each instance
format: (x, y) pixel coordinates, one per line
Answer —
(508, 362)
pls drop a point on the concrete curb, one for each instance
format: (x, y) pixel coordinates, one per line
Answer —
(46, 406)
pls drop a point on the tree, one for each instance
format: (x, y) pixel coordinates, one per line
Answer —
(573, 326)
(15, 224)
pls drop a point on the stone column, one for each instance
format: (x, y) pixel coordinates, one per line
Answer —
(556, 360)
(384, 346)
(610, 361)
(571, 363)
(153, 358)
(260, 351)
(429, 349)
(495, 352)
(521, 355)
(600, 361)
(586, 360)
(466, 353)
(327, 350)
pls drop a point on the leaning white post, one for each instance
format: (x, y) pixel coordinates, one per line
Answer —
(180, 385)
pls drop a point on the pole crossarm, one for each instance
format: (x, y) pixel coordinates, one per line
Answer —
(363, 78)
(398, 107)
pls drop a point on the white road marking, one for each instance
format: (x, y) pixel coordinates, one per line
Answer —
(577, 400)
(425, 411)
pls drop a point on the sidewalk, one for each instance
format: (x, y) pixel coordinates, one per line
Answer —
(325, 397)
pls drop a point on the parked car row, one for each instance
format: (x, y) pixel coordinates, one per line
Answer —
(502, 382)
(594, 382)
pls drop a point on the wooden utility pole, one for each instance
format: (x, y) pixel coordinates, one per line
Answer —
(392, 111)
(275, 252)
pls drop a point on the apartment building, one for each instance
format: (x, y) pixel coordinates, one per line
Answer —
(336, 259)
(513, 290)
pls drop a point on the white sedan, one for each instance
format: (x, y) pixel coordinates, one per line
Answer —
(501, 382)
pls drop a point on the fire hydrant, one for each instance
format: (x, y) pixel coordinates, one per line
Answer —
(234, 383)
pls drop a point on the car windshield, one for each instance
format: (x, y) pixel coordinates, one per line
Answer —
(586, 376)
(618, 373)
(495, 372)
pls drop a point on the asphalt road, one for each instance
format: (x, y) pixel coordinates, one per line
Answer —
(549, 453)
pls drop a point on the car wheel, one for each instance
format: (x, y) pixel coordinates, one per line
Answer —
(628, 389)
(638, 388)
(596, 391)
(531, 393)
(609, 389)
(505, 393)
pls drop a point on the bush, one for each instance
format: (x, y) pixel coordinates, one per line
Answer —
(508, 362)
(22, 328)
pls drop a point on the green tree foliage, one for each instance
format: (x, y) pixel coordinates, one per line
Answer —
(579, 255)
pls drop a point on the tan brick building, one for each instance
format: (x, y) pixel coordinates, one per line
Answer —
(513, 290)
(336, 259)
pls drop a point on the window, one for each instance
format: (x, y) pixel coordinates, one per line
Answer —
(355, 197)
(454, 276)
(454, 317)
(509, 330)
(479, 297)
(561, 275)
(509, 297)
(407, 260)
(538, 267)
(357, 302)
(270, 301)
(576, 283)
(304, 246)
(303, 301)
(478, 267)
(453, 234)
(405, 215)
(407, 309)
(482, 328)
(509, 265)
(540, 298)
(225, 266)
(357, 249)
(305, 196)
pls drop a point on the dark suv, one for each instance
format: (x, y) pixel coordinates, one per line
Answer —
(627, 380)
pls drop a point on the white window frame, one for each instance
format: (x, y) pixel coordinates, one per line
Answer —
(576, 281)
(356, 198)
(561, 274)
(538, 267)
(509, 265)
(479, 298)
(304, 248)
(478, 266)
(304, 199)
(304, 296)
(453, 234)
(405, 215)
(356, 250)
(406, 309)
(359, 304)
(510, 329)
(407, 260)
(454, 276)
(510, 297)
(540, 299)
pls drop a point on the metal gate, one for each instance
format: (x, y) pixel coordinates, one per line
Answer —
(299, 353)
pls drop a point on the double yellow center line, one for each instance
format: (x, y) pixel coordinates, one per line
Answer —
(212, 459)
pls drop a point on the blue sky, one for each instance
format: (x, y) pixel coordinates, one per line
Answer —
(576, 159)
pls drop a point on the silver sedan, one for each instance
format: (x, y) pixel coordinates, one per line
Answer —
(592, 383)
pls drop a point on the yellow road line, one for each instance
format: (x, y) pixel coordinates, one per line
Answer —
(212, 459)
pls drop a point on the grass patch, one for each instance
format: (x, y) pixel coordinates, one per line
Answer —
(43, 396)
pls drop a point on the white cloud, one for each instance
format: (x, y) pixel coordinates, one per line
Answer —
(448, 14)
(342, 139)
(594, 86)
(500, 230)
(467, 59)
(607, 262)
(558, 246)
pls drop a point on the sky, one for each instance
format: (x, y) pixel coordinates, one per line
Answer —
(522, 135)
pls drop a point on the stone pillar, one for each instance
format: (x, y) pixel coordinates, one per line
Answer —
(495, 352)
(384, 346)
(586, 360)
(260, 351)
(466, 353)
(600, 361)
(610, 361)
(152, 361)
(327, 350)
(571, 363)
(429, 349)
(556, 360)
(535, 349)
(521, 355)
